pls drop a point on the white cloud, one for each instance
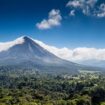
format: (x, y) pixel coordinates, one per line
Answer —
(88, 7)
(101, 12)
(54, 19)
(72, 13)
(74, 3)
(77, 54)
(91, 3)
(5, 46)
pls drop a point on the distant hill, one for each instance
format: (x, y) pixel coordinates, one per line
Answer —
(94, 63)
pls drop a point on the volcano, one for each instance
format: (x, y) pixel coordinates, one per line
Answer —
(24, 52)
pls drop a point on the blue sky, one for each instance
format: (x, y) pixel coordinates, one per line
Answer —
(77, 24)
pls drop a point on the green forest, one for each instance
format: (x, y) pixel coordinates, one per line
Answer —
(33, 88)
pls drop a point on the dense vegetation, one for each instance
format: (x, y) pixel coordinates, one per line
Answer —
(32, 88)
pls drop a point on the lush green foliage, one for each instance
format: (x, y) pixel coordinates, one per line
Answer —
(37, 89)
